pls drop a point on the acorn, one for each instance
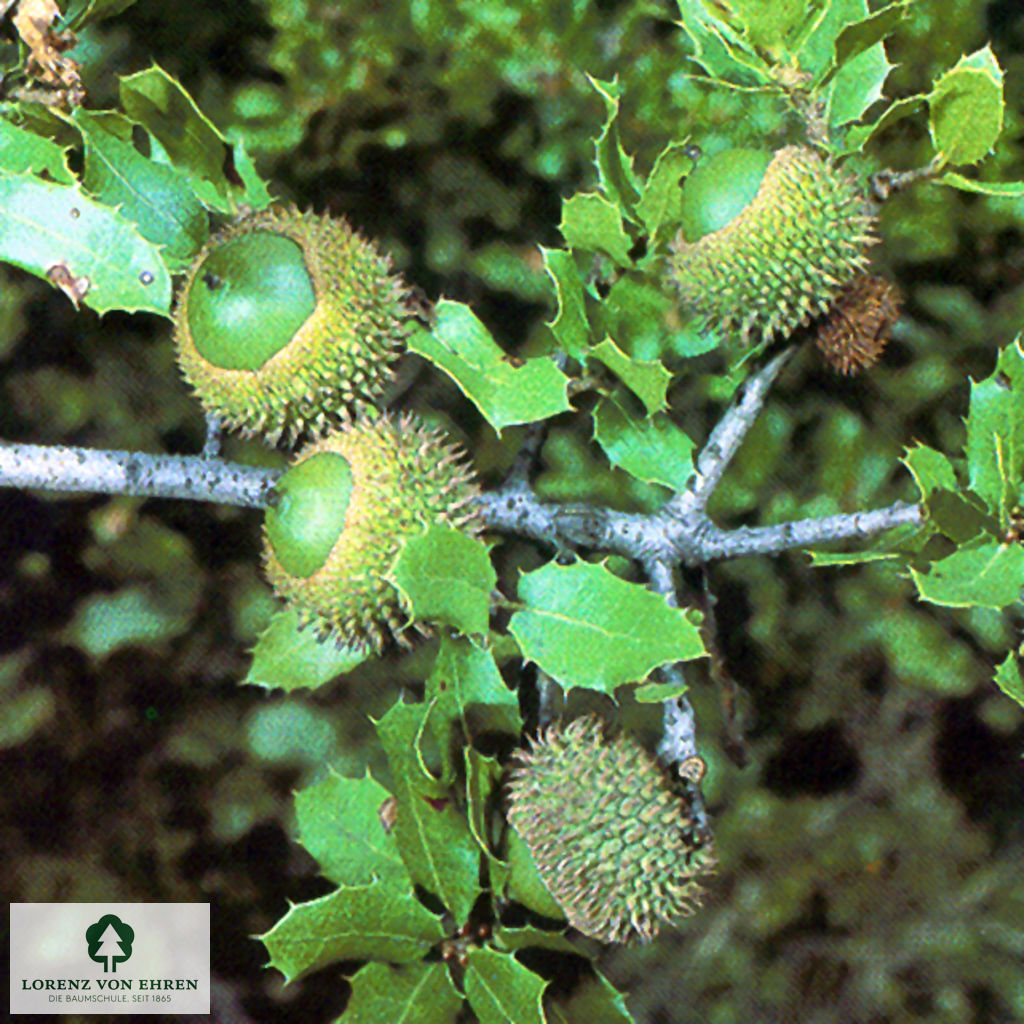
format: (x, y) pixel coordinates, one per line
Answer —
(340, 513)
(769, 241)
(609, 830)
(286, 321)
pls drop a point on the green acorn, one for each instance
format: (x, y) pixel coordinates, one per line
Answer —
(768, 243)
(286, 321)
(341, 512)
(610, 834)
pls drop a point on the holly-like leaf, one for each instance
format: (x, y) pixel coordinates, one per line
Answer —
(570, 327)
(830, 559)
(995, 432)
(966, 108)
(289, 658)
(614, 166)
(344, 824)
(24, 152)
(653, 449)
(658, 693)
(501, 990)
(446, 577)
(86, 12)
(594, 1001)
(718, 49)
(593, 223)
(1009, 678)
(483, 778)
(860, 36)
(859, 136)
(505, 389)
(648, 380)
(434, 839)
(816, 48)
(87, 249)
(359, 922)
(661, 199)
(410, 994)
(1001, 189)
(930, 469)
(990, 575)
(587, 628)
(857, 86)
(156, 197)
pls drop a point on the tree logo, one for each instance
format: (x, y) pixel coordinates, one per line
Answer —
(110, 942)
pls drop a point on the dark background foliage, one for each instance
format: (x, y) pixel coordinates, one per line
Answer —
(869, 847)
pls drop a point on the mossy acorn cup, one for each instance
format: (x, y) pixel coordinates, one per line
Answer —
(611, 836)
(341, 513)
(768, 241)
(287, 321)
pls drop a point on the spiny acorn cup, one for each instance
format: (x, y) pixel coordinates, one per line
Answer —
(287, 320)
(610, 833)
(341, 512)
(768, 242)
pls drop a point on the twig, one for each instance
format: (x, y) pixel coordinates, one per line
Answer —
(725, 439)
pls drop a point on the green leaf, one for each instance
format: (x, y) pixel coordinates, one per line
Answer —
(816, 50)
(411, 994)
(501, 990)
(528, 937)
(24, 152)
(960, 515)
(570, 327)
(861, 36)
(995, 433)
(49, 226)
(1002, 189)
(586, 627)
(661, 200)
(649, 381)
(433, 836)
(966, 108)
(857, 85)
(446, 576)
(156, 197)
(85, 12)
(821, 559)
(1009, 678)
(717, 49)
(593, 223)
(593, 1001)
(483, 783)
(505, 390)
(653, 449)
(358, 922)
(930, 469)
(990, 575)
(614, 167)
(469, 696)
(658, 693)
(289, 658)
(859, 136)
(341, 823)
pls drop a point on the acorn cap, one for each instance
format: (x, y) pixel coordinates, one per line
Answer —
(785, 257)
(287, 321)
(609, 830)
(341, 513)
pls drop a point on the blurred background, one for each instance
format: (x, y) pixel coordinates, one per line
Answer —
(870, 849)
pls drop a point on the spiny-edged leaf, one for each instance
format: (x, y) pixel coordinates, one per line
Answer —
(828, 559)
(289, 658)
(653, 449)
(649, 381)
(60, 234)
(24, 152)
(156, 197)
(1010, 679)
(469, 696)
(594, 1001)
(644, 320)
(990, 575)
(769, 25)
(410, 994)
(446, 576)
(360, 922)
(1002, 189)
(85, 12)
(483, 777)
(570, 327)
(995, 432)
(966, 108)
(859, 37)
(614, 166)
(857, 137)
(514, 939)
(501, 990)
(587, 628)
(857, 85)
(343, 824)
(717, 49)
(593, 223)
(959, 515)
(658, 693)
(930, 469)
(661, 199)
(816, 49)
(433, 836)
(505, 389)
